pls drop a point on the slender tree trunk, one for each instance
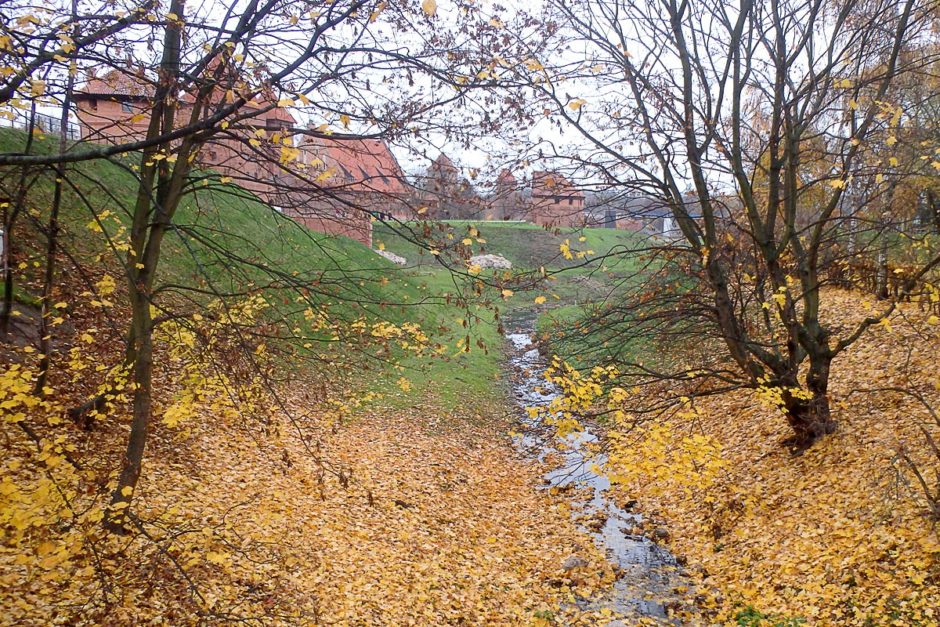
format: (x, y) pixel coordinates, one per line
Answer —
(45, 330)
(6, 308)
(132, 464)
(157, 198)
(882, 289)
(10, 215)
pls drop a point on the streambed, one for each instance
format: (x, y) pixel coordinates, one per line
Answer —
(650, 580)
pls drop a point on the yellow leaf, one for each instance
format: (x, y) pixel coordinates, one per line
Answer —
(576, 104)
(429, 7)
(507, 293)
(216, 557)
(539, 300)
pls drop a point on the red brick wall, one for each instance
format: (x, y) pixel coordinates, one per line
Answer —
(558, 211)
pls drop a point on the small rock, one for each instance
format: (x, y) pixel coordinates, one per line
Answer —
(491, 261)
(574, 562)
(396, 259)
(660, 533)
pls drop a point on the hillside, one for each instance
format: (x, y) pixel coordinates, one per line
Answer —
(228, 243)
(373, 447)
(527, 246)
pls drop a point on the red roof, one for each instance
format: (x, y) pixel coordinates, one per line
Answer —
(506, 178)
(116, 83)
(267, 99)
(553, 184)
(443, 166)
(359, 164)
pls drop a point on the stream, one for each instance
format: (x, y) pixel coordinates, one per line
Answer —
(648, 574)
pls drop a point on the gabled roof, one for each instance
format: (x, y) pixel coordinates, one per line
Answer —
(118, 84)
(444, 166)
(553, 184)
(359, 164)
(133, 85)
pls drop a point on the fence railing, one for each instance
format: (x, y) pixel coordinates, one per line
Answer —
(43, 122)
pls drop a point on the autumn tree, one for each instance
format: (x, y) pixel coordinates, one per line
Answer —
(208, 80)
(768, 130)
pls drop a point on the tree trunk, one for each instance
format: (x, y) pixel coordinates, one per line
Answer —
(45, 330)
(134, 455)
(6, 307)
(810, 418)
(152, 217)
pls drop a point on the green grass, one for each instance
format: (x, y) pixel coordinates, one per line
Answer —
(220, 224)
(527, 246)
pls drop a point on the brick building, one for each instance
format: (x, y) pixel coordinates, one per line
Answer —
(349, 182)
(555, 201)
(355, 180)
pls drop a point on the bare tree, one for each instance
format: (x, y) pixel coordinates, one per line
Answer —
(762, 128)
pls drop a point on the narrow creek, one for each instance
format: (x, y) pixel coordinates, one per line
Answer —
(650, 581)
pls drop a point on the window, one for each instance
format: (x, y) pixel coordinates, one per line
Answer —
(94, 104)
(126, 107)
(570, 200)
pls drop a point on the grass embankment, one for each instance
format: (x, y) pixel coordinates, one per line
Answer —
(572, 283)
(227, 242)
(586, 278)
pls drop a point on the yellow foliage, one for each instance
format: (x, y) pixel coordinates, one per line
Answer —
(837, 535)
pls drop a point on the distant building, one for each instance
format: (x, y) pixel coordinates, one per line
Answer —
(112, 108)
(352, 180)
(555, 201)
(446, 194)
(507, 202)
(638, 212)
(356, 180)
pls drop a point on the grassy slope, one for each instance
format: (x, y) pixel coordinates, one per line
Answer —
(221, 218)
(527, 246)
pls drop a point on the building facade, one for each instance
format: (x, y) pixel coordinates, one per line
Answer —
(334, 187)
(555, 201)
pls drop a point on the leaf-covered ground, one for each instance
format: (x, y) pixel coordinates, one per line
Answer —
(417, 519)
(838, 535)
